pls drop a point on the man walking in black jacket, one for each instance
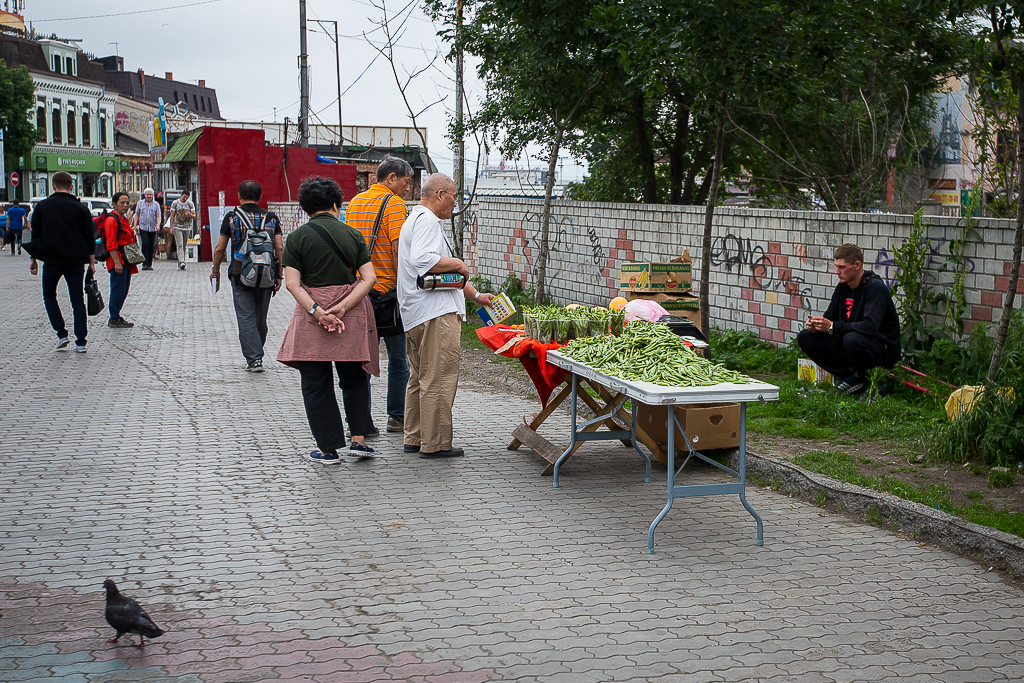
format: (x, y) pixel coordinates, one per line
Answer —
(63, 239)
(860, 329)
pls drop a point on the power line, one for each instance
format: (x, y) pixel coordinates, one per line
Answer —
(124, 14)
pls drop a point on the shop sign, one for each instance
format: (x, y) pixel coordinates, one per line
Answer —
(72, 163)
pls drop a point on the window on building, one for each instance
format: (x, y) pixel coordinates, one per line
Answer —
(56, 63)
(86, 132)
(70, 66)
(175, 97)
(195, 103)
(209, 105)
(103, 128)
(71, 126)
(41, 117)
(58, 137)
(202, 103)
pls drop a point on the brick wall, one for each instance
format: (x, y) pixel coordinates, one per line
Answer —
(769, 269)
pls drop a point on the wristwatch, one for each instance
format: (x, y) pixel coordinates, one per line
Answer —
(312, 309)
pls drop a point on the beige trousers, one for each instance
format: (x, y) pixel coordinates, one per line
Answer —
(433, 350)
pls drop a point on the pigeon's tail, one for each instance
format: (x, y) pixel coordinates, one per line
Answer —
(155, 632)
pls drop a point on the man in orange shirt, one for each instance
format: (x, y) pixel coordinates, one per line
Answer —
(378, 213)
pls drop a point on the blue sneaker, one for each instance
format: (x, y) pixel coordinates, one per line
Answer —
(360, 450)
(323, 458)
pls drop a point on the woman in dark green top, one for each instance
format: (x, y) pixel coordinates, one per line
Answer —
(333, 322)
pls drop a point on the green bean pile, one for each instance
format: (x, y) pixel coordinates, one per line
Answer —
(650, 352)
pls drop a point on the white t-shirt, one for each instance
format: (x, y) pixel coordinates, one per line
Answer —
(423, 244)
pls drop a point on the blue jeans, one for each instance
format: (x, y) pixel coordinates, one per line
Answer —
(398, 375)
(119, 286)
(74, 277)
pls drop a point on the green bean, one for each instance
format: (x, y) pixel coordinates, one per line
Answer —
(650, 352)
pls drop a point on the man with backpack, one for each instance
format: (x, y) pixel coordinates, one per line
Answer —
(255, 268)
(62, 238)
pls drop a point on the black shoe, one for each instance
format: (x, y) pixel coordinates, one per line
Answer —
(120, 322)
(411, 449)
(450, 453)
(254, 366)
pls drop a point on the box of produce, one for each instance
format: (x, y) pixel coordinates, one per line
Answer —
(672, 276)
(709, 425)
(684, 305)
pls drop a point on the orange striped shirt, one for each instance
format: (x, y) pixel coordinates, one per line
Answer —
(361, 215)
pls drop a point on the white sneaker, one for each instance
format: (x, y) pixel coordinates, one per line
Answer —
(62, 344)
(80, 348)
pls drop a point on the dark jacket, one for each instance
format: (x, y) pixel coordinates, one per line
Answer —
(62, 230)
(873, 315)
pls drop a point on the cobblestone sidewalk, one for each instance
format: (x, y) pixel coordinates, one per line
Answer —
(156, 461)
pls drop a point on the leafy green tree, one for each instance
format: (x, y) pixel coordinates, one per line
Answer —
(17, 97)
(541, 63)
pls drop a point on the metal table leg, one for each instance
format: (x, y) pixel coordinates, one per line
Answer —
(632, 434)
(671, 455)
(572, 431)
(743, 473)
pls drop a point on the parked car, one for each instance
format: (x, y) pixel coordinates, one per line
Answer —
(97, 205)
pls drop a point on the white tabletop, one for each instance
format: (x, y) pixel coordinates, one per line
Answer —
(658, 395)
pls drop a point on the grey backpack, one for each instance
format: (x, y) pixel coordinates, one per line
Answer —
(258, 263)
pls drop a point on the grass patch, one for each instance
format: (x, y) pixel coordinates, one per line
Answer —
(469, 338)
(787, 427)
(843, 467)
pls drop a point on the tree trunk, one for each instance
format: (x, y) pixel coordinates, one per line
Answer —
(698, 161)
(679, 149)
(1011, 291)
(643, 138)
(545, 220)
(709, 216)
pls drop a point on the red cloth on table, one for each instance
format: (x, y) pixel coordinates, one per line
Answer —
(546, 377)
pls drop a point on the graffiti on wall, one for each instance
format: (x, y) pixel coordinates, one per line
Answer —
(885, 265)
(748, 257)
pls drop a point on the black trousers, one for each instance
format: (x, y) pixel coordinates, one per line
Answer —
(148, 245)
(322, 405)
(851, 354)
(74, 276)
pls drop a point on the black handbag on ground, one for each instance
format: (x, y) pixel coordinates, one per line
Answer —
(93, 298)
(385, 304)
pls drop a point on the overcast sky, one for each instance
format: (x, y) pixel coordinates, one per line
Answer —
(248, 51)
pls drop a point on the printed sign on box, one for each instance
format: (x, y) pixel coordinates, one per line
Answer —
(808, 371)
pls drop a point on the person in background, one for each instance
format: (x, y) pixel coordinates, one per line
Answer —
(433, 321)
(147, 218)
(320, 264)
(251, 303)
(117, 232)
(860, 329)
(394, 180)
(184, 212)
(16, 224)
(62, 238)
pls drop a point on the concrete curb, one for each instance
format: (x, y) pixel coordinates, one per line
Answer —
(995, 548)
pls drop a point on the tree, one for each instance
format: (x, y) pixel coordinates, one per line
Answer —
(541, 64)
(17, 97)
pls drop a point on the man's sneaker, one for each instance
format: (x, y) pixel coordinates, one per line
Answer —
(80, 348)
(409, 448)
(120, 322)
(450, 453)
(395, 425)
(62, 344)
(254, 366)
(181, 266)
(852, 385)
(360, 450)
(323, 458)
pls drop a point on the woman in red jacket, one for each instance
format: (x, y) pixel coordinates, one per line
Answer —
(116, 232)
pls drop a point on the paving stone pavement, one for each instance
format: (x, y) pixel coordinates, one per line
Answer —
(156, 461)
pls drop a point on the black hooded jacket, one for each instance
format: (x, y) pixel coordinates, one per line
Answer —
(868, 310)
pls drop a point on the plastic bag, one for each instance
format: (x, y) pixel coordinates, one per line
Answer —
(642, 309)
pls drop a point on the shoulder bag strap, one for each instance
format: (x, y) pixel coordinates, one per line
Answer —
(326, 237)
(380, 218)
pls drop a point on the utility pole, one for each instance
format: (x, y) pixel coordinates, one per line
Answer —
(460, 144)
(303, 79)
(337, 57)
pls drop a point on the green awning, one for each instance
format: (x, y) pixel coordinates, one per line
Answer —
(184, 148)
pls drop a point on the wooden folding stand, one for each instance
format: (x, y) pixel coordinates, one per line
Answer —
(526, 434)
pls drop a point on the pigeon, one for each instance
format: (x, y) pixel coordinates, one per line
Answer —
(126, 616)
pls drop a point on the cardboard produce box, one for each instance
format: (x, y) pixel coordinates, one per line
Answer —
(709, 425)
(671, 277)
(683, 305)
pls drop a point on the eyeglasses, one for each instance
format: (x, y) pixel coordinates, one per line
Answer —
(444, 192)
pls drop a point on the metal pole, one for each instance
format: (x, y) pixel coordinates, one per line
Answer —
(303, 79)
(460, 144)
(337, 56)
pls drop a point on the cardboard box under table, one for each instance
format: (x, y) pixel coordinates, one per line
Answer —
(667, 398)
(710, 426)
